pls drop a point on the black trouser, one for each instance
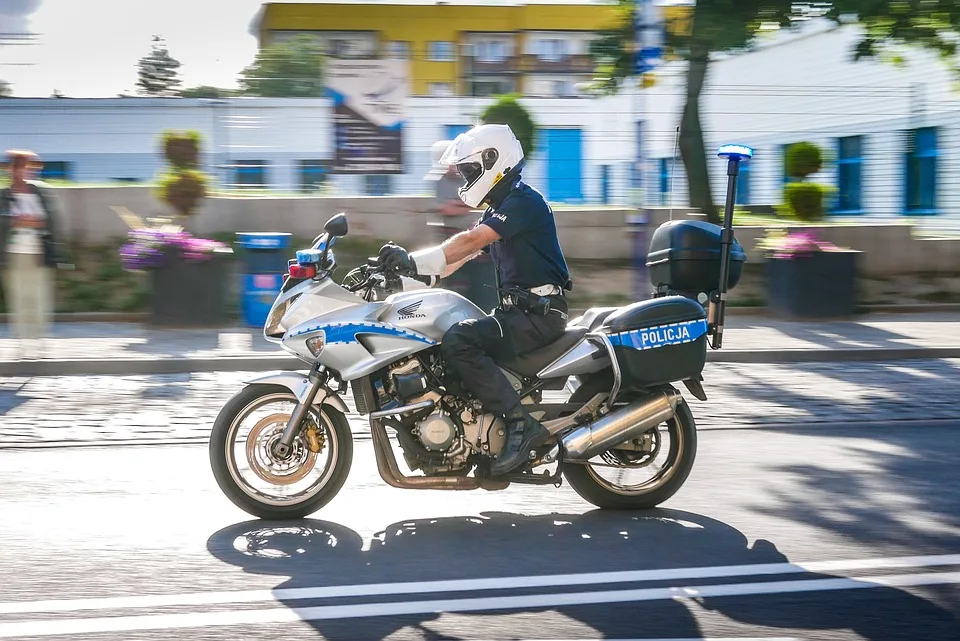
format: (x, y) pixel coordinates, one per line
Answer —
(472, 348)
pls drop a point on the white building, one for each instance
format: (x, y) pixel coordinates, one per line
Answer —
(806, 86)
(284, 144)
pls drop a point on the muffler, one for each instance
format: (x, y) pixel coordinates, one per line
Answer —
(619, 426)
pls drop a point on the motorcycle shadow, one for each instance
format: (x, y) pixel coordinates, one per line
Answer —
(314, 553)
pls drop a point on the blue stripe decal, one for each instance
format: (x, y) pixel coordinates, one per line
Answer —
(345, 333)
(661, 335)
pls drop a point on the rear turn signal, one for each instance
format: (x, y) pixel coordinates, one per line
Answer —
(302, 271)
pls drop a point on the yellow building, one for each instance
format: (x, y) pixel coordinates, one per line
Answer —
(465, 48)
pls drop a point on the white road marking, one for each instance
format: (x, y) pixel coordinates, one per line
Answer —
(526, 602)
(470, 585)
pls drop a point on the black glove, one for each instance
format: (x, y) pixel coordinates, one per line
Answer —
(396, 258)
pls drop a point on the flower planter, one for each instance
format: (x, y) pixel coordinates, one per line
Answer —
(186, 293)
(821, 284)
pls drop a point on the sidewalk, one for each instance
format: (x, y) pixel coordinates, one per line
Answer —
(127, 348)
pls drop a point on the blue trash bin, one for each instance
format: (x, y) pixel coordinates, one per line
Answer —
(264, 263)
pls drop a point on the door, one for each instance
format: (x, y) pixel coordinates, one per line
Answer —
(564, 152)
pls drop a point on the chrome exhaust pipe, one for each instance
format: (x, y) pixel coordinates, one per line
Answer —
(619, 426)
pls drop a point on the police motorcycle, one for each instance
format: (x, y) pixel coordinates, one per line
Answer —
(282, 447)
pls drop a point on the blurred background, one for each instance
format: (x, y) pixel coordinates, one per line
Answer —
(304, 109)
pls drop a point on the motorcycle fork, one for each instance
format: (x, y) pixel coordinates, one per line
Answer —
(318, 377)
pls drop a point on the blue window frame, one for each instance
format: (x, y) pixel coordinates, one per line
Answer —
(313, 174)
(605, 184)
(783, 159)
(452, 131)
(743, 184)
(377, 184)
(55, 170)
(920, 167)
(664, 180)
(849, 175)
(250, 174)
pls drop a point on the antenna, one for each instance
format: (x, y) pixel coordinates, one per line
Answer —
(673, 168)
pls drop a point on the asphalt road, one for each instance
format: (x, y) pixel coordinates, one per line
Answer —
(138, 543)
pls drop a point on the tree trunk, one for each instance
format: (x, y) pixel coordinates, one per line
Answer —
(692, 148)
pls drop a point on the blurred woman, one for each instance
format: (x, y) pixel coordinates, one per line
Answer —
(28, 250)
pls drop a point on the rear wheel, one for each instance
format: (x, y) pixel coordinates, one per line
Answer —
(644, 476)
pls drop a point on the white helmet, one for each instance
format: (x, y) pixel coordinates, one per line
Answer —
(437, 170)
(483, 156)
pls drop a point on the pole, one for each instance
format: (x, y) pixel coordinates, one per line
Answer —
(734, 154)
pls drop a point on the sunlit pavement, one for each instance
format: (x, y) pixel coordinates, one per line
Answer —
(138, 543)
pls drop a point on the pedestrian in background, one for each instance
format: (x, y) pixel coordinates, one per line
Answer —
(28, 251)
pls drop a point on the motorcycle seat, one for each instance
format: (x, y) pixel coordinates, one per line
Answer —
(529, 364)
(594, 317)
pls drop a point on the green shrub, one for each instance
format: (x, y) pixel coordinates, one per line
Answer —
(805, 200)
(803, 159)
(507, 110)
(183, 190)
(182, 150)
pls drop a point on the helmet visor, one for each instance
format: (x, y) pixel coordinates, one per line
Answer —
(470, 172)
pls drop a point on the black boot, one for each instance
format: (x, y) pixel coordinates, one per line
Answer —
(523, 435)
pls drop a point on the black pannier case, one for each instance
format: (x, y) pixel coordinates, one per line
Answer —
(684, 258)
(656, 341)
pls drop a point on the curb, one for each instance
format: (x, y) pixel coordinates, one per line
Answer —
(364, 437)
(143, 367)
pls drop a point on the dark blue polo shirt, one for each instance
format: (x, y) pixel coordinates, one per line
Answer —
(528, 253)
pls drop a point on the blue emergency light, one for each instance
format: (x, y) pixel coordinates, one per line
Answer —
(735, 152)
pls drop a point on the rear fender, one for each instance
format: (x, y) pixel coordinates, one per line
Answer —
(299, 384)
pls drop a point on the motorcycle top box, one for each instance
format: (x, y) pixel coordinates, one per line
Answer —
(658, 341)
(684, 256)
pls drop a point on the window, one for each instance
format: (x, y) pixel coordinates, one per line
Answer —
(397, 50)
(312, 174)
(664, 180)
(743, 184)
(377, 184)
(453, 131)
(921, 170)
(491, 87)
(551, 50)
(441, 88)
(249, 174)
(849, 175)
(605, 184)
(439, 51)
(491, 51)
(55, 170)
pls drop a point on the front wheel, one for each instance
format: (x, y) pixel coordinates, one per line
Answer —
(258, 482)
(644, 477)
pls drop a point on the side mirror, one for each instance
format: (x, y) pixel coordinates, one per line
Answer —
(337, 226)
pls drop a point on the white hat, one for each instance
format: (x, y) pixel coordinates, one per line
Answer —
(436, 153)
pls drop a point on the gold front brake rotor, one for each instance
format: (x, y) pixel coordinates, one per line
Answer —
(303, 458)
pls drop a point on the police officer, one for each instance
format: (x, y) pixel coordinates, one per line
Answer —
(519, 232)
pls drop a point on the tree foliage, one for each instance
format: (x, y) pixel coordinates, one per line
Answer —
(507, 110)
(291, 69)
(6, 91)
(726, 25)
(206, 91)
(158, 73)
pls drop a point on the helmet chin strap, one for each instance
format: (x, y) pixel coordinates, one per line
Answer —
(499, 191)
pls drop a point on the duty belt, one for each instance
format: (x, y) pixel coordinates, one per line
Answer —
(541, 290)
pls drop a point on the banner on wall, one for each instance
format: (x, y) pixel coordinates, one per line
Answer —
(369, 101)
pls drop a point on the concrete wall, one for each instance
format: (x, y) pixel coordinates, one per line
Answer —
(585, 233)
